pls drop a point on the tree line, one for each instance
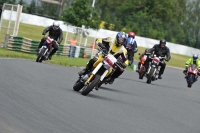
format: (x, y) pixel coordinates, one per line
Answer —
(177, 21)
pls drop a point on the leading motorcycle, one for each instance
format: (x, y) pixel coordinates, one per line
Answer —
(105, 65)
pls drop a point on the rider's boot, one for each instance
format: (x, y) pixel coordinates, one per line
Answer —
(111, 80)
(159, 76)
(87, 68)
(52, 53)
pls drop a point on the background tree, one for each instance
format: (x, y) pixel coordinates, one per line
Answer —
(81, 13)
(149, 18)
(192, 24)
(24, 4)
(7, 1)
(32, 8)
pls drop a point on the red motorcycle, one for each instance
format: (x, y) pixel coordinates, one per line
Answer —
(143, 65)
(153, 68)
(191, 75)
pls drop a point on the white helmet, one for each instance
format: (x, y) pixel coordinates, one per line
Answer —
(56, 25)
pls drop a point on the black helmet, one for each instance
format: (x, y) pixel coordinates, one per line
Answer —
(162, 41)
(195, 57)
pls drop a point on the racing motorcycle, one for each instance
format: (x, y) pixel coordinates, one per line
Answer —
(191, 74)
(143, 65)
(153, 68)
(45, 49)
(103, 68)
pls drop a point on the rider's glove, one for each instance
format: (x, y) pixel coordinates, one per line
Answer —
(101, 45)
(186, 69)
(105, 51)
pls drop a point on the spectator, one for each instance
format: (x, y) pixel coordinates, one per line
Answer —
(93, 45)
(73, 42)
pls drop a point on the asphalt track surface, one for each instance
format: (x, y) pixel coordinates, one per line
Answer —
(39, 98)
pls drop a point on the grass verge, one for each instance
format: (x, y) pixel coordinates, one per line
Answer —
(60, 60)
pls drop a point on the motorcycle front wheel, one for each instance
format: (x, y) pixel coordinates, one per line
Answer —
(190, 80)
(88, 88)
(40, 56)
(149, 76)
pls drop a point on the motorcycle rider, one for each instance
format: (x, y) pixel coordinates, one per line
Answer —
(190, 61)
(55, 32)
(161, 50)
(105, 43)
(131, 47)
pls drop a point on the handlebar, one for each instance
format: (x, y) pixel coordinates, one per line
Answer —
(148, 53)
(52, 39)
(160, 57)
(102, 49)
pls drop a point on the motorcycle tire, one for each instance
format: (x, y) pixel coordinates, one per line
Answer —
(40, 56)
(88, 88)
(141, 72)
(190, 80)
(78, 85)
(149, 76)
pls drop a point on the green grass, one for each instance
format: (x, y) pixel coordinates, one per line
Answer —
(60, 60)
(35, 32)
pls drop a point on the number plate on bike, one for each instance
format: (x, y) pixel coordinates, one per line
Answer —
(110, 60)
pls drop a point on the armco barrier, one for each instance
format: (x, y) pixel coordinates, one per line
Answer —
(17, 43)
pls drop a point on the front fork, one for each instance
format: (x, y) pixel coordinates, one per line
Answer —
(94, 73)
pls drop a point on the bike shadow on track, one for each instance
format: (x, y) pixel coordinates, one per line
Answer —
(165, 86)
(94, 94)
(114, 90)
(142, 81)
(106, 98)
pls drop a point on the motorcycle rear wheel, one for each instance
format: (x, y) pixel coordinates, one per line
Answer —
(78, 85)
(141, 73)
